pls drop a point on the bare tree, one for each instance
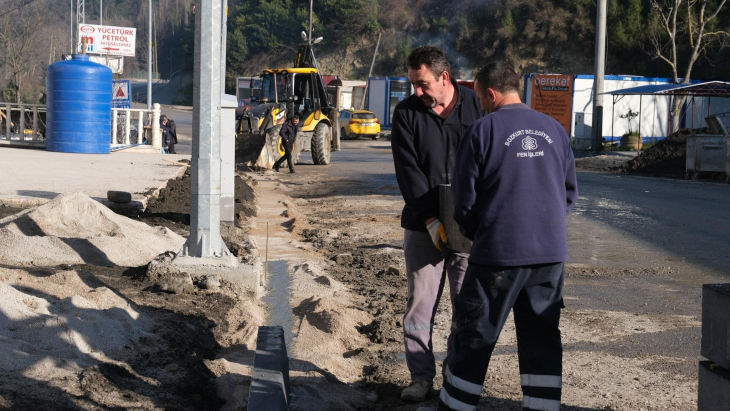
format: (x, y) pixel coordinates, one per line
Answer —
(20, 40)
(684, 30)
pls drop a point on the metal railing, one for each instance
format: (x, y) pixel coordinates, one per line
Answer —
(124, 133)
(25, 125)
(22, 124)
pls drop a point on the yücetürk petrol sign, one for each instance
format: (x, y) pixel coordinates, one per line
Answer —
(552, 94)
(115, 41)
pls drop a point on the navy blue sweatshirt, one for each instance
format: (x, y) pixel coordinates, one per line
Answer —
(424, 148)
(514, 183)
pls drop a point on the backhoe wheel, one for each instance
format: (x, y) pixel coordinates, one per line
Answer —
(321, 144)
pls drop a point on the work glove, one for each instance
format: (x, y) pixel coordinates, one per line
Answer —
(438, 234)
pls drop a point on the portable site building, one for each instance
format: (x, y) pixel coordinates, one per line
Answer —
(569, 99)
(383, 94)
(350, 98)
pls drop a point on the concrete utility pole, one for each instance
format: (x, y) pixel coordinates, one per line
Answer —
(205, 239)
(598, 74)
(224, 39)
(370, 73)
(149, 59)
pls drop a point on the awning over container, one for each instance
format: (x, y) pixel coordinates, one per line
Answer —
(706, 89)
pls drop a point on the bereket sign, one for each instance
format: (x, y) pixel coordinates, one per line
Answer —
(115, 41)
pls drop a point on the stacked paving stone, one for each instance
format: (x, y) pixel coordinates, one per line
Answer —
(714, 375)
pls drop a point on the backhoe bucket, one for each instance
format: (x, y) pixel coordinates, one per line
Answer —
(257, 150)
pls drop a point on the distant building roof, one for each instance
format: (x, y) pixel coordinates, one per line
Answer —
(706, 89)
(331, 79)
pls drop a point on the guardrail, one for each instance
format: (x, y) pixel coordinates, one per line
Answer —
(124, 133)
(24, 125)
(14, 121)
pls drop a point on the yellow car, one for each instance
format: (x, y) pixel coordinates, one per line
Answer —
(357, 123)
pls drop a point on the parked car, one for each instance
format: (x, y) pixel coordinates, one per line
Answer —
(359, 123)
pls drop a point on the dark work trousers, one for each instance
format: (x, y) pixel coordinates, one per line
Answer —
(286, 157)
(171, 146)
(481, 309)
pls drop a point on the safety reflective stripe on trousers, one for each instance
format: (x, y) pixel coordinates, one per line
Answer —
(417, 327)
(455, 404)
(462, 385)
(540, 404)
(544, 381)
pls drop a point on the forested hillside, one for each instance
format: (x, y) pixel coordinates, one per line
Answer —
(534, 35)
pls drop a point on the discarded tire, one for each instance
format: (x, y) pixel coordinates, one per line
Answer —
(118, 196)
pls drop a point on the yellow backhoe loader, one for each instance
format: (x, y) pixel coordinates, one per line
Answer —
(283, 93)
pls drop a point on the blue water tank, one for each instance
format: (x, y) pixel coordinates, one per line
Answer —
(79, 103)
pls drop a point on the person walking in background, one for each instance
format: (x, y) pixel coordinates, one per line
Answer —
(514, 183)
(427, 129)
(288, 134)
(169, 134)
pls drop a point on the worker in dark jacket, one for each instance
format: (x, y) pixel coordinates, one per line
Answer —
(427, 129)
(169, 134)
(288, 135)
(514, 183)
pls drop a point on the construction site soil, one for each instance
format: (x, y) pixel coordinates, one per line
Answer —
(96, 337)
(342, 245)
(664, 159)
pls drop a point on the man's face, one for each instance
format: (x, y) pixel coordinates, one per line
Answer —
(295, 121)
(429, 88)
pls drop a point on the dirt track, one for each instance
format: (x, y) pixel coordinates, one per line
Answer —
(631, 329)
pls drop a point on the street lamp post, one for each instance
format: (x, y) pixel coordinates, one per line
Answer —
(309, 38)
(149, 59)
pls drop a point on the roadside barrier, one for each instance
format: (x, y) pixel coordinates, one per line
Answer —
(25, 125)
(22, 124)
(125, 134)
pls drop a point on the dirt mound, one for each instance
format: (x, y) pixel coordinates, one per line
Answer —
(74, 229)
(665, 158)
(171, 209)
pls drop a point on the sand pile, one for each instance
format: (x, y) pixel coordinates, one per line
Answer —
(74, 229)
(329, 321)
(665, 158)
(56, 324)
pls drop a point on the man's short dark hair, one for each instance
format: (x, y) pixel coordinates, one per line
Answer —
(432, 57)
(295, 117)
(499, 76)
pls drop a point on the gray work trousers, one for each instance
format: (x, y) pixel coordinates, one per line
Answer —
(424, 266)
